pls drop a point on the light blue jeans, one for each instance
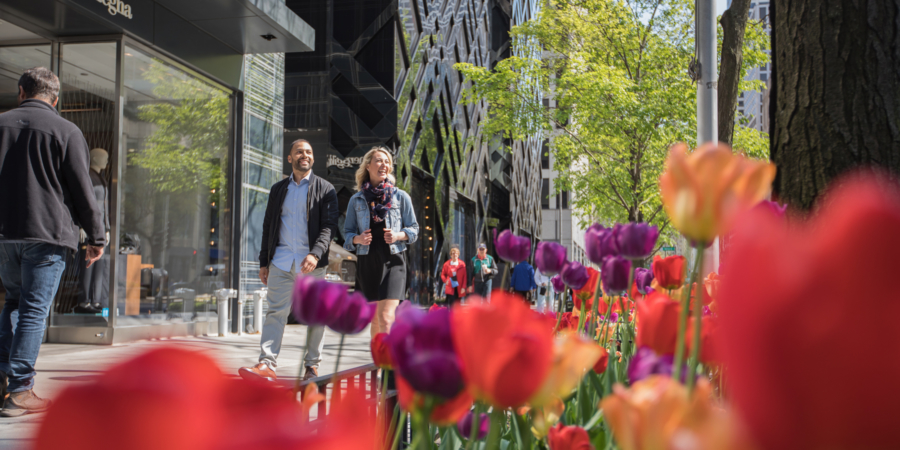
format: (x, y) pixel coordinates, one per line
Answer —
(30, 274)
(281, 287)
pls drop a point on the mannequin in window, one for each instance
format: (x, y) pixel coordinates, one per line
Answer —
(94, 280)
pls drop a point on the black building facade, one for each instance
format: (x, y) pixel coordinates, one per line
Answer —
(382, 73)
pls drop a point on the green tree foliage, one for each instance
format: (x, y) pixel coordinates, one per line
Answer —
(189, 141)
(617, 70)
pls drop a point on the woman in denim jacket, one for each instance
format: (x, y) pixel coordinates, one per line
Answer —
(379, 225)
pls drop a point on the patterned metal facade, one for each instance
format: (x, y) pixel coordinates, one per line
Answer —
(382, 74)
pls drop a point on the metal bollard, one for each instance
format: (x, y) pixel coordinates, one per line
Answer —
(259, 296)
(240, 316)
(222, 296)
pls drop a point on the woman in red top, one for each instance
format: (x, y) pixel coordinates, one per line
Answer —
(454, 276)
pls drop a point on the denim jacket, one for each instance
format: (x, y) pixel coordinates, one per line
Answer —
(401, 217)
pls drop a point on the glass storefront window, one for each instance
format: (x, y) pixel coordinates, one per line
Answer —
(173, 250)
(13, 62)
(87, 99)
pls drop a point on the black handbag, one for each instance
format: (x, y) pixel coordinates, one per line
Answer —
(543, 290)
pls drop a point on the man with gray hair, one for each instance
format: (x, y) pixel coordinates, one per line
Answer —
(48, 196)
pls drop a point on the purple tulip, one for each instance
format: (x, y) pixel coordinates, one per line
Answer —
(636, 240)
(318, 302)
(558, 284)
(646, 362)
(422, 350)
(550, 257)
(357, 314)
(643, 277)
(465, 425)
(601, 242)
(614, 274)
(512, 248)
(773, 207)
(574, 275)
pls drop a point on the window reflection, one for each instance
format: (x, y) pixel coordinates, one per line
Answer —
(173, 248)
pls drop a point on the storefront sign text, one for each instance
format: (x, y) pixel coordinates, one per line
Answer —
(117, 7)
(343, 163)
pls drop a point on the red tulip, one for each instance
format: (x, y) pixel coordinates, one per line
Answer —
(186, 390)
(603, 362)
(381, 353)
(809, 329)
(670, 271)
(709, 345)
(658, 323)
(506, 349)
(445, 413)
(586, 293)
(562, 437)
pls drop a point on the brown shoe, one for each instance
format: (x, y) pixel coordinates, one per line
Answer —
(311, 372)
(21, 403)
(261, 370)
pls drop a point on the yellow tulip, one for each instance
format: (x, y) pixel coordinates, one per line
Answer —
(572, 357)
(704, 190)
(544, 418)
(657, 414)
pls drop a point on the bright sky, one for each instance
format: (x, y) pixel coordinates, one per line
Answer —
(720, 6)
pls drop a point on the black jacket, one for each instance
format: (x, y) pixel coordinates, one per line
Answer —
(45, 183)
(321, 219)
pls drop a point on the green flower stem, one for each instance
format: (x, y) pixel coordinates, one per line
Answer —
(626, 344)
(695, 348)
(682, 318)
(400, 426)
(476, 425)
(498, 418)
(559, 310)
(382, 402)
(581, 319)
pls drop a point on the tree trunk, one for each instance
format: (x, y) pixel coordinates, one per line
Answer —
(734, 24)
(836, 92)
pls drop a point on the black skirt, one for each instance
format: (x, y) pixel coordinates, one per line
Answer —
(381, 275)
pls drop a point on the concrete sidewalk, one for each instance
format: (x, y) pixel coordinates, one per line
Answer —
(62, 365)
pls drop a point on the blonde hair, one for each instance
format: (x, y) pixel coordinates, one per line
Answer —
(362, 174)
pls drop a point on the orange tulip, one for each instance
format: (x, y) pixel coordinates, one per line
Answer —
(704, 190)
(711, 283)
(658, 316)
(446, 413)
(506, 349)
(656, 412)
(572, 356)
(586, 293)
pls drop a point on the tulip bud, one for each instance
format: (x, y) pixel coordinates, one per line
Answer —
(356, 315)
(669, 272)
(318, 302)
(614, 274)
(636, 240)
(562, 437)
(422, 351)
(642, 278)
(574, 275)
(381, 353)
(465, 425)
(558, 284)
(549, 257)
(512, 248)
(601, 243)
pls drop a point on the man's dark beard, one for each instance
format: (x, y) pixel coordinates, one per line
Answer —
(297, 167)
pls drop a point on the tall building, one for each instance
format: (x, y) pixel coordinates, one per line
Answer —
(753, 105)
(382, 74)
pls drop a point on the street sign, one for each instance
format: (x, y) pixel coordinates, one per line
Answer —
(668, 249)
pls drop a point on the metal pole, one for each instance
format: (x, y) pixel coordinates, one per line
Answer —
(707, 94)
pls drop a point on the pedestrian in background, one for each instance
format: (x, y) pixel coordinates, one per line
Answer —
(47, 195)
(380, 225)
(522, 281)
(543, 291)
(300, 218)
(453, 274)
(482, 271)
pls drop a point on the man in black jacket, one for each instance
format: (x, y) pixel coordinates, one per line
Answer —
(46, 196)
(300, 218)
